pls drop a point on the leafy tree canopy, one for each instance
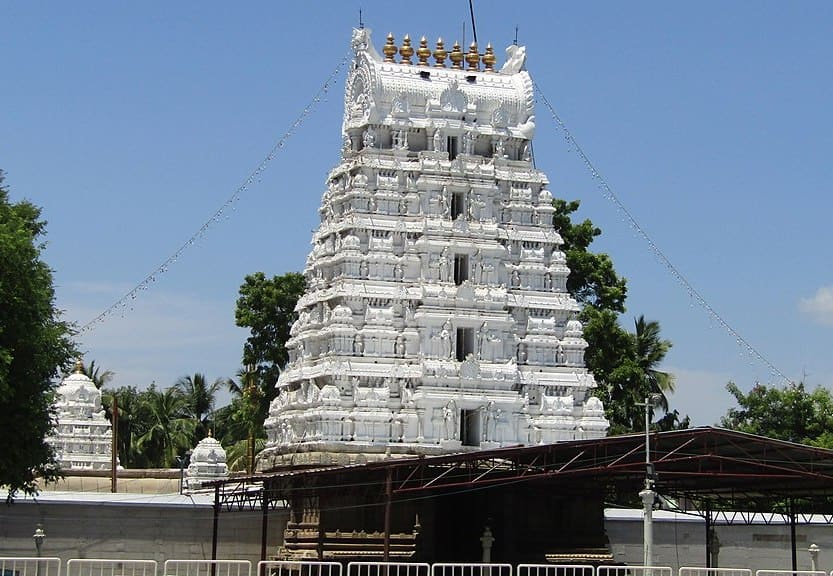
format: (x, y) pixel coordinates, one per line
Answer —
(34, 344)
(624, 364)
(785, 413)
(199, 400)
(267, 307)
(593, 280)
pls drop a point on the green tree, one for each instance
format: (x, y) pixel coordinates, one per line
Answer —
(168, 429)
(625, 364)
(593, 282)
(242, 420)
(650, 351)
(34, 345)
(129, 423)
(99, 378)
(266, 307)
(199, 400)
(785, 413)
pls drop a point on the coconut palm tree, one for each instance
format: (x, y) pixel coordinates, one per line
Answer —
(650, 351)
(199, 399)
(240, 424)
(168, 429)
(98, 377)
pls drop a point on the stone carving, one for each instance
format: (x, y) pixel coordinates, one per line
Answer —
(438, 141)
(500, 117)
(445, 338)
(401, 106)
(515, 59)
(491, 416)
(371, 397)
(557, 404)
(468, 142)
(445, 266)
(369, 138)
(470, 368)
(358, 345)
(399, 346)
(453, 99)
(499, 147)
(450, 415)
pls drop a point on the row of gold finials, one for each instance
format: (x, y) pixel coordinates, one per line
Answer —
(472, 57)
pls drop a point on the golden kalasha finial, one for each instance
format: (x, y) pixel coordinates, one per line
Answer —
(473, 58)
(456, 57)
(439, 54)
(79, 367)
(406, 51)
(390, 49)
(489, 59)
(423, 52)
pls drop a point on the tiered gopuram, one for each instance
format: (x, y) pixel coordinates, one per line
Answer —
(83, 436)
(436, 316)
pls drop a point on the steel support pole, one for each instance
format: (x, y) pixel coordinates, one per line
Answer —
(215, 526)
(792, 537)
(114, 447)
(388, 494)
(264, 524)
(709, 536)
(647, 496)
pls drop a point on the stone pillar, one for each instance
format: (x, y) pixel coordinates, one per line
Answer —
(486, 542)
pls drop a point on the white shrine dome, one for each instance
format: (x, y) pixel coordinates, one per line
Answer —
(208, 463)
(210, 452)
(79, 389)
(574, 329)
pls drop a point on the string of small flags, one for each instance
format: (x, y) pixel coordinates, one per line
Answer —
(123, 302)
(609, 195)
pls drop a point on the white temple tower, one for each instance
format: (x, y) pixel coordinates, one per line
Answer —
(436, 316)
(83, 436)
(208, 463)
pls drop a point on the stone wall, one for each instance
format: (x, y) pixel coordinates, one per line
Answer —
(134, 531)
(680, 540)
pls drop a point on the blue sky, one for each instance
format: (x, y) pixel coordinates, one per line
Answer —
(131, 124)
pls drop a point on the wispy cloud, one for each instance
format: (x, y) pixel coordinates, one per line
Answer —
(819, 307)
(158, 337)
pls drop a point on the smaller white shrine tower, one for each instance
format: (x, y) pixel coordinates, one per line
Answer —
(208, 463)
(83, 436)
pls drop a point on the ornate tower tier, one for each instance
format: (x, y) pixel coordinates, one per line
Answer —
(436, 316)
(83, 436)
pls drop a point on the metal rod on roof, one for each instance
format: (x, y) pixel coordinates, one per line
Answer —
(473, 26)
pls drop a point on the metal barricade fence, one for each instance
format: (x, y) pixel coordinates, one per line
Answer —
(109, 567)
(634, 571)
(471, 569)
(388, 569)
(208, 568)
(555, 570)
(695, 571)
(25, 566)
(790, 573)
(297, 568)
